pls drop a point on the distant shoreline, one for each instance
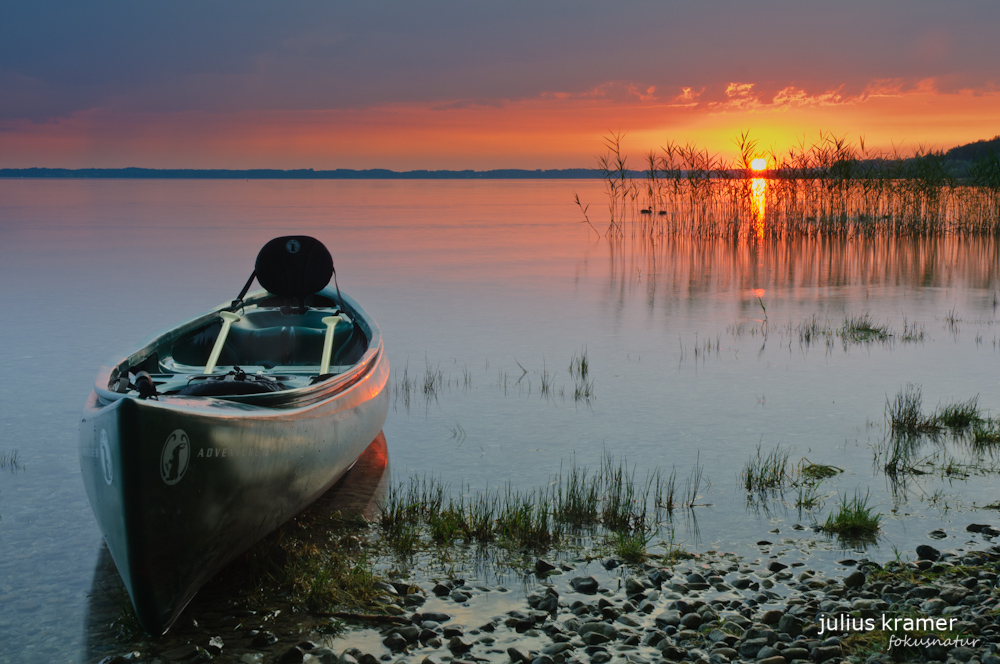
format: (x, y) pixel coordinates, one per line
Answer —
(299, 174)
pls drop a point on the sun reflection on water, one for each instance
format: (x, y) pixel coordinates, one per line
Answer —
(758, 203)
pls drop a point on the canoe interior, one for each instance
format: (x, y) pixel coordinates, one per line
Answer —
(269, 342)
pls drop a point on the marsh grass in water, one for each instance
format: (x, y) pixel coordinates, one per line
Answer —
(854, 521)
(767, 472)
(816, 472)
(611, 504)
(863, 329)
(579, 370)
(905, 416)
(772, 472)
(986, 432)
(11, 461)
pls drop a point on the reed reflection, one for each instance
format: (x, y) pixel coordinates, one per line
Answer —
(677, 268)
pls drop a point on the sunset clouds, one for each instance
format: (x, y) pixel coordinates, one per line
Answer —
(468, 85)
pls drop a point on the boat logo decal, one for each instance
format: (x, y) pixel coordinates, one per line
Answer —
(175, 456)
(107, 467)
(293, 246)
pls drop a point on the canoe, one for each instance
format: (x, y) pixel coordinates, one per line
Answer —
(214, 433)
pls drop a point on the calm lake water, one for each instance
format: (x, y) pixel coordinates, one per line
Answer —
(696, 351)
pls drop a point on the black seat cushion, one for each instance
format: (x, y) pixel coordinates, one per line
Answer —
(294, 266)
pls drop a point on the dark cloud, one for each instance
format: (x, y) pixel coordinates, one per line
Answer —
(57, 58)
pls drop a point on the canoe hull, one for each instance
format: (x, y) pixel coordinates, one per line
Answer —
(181, 486)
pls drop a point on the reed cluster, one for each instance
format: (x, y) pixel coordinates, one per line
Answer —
(854, 521)
(609, 503)
(11, 461)
(772, 472)
(905, 416)
(830, 187)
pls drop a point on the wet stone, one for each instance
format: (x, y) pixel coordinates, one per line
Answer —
(556, 649)
(324, 656)
(518, 654)
(933, 607)
(628, 620)
(962, 653)
(953, 594)
(293, 655)
(793, 653)
(409, 632)
(395, 642)
(771, 617)
(767, 652)
(923, 592)
(824, 653)
(543, 566)
(925, 552)
(691, 621)
(790, 625)
(186, 651)
(673, 652)
(586, 585)
(264, 640)
(669, 617)
(750, 647)
(854, 579)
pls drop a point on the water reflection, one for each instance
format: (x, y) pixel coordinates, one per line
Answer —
(684, 270)
(359, 493)
(758, 204)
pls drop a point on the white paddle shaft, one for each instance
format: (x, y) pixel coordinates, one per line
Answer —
(228, 318)
(331, 324)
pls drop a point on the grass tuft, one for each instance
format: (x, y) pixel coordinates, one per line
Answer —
(768, 472)
(611, 502)
(815, 472)
(959, 415)
(862, 329)
(904, 414)
(854, 521)
(11, 461)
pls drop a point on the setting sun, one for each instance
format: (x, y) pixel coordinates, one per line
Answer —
(758, 164)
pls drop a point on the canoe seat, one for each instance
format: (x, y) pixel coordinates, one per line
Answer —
(269, 338)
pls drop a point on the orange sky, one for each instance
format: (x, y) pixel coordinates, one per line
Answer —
(449, 87)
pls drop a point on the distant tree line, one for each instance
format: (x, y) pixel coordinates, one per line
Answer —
(299, 174)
